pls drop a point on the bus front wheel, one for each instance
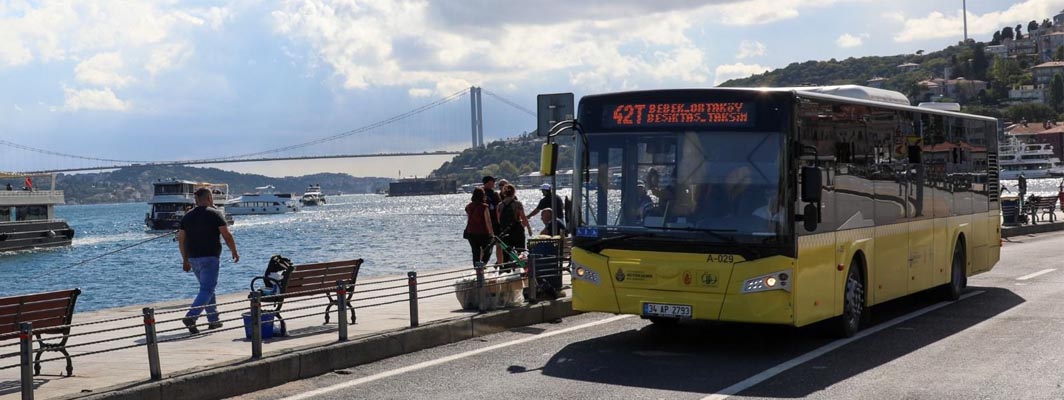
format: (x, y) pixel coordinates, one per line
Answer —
(853, 304)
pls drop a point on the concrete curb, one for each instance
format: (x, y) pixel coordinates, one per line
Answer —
(227, 380)
(1044, 227)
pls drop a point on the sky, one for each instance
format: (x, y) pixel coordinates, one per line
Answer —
(166, 80)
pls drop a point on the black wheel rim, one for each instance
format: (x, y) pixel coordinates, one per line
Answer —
(854, 303)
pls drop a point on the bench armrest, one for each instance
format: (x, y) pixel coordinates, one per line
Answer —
(263, 279)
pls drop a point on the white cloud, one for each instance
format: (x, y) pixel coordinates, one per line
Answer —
(847, 40)
(418, 92)
(737, 70)
(104, 69)
(17, 108)
(93, 99)
(938, 25)
(167, 56)
(750, 48)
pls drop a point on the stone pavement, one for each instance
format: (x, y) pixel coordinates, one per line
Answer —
(182, 353)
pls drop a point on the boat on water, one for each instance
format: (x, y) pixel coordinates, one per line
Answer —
(1021, 154)
(263, 201)
(172, 198)
(313, 196)
(27, 214)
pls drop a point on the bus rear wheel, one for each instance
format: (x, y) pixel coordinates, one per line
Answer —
(958, 278)
(853, 304)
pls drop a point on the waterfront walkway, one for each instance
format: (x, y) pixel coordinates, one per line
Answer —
(182, 353)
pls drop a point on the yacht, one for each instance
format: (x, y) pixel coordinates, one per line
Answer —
(172, 198)
(313, 196)
(263, 201)
(1019, 153)
(27, 215)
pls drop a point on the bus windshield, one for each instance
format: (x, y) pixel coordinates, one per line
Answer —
(725, 183)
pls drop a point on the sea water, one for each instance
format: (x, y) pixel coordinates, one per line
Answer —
(393, 234)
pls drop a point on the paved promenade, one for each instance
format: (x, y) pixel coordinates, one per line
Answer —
(181, 352)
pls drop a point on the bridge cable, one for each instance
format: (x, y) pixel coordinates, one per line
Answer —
(509, 103)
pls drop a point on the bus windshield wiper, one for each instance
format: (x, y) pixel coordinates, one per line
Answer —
(717, 233)
(596, 245)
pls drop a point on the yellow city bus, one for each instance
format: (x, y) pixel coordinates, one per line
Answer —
(778, 206)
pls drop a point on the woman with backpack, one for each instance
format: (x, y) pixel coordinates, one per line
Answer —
(512, 221)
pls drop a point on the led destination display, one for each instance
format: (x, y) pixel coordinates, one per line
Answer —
(701, 114)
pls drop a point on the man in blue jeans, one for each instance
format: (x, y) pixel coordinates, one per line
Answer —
(197, 238)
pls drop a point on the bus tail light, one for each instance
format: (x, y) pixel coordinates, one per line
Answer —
(774, 281)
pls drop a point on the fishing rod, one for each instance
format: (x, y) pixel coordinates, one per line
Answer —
(83, 262)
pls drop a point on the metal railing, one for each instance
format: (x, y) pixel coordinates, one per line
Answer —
(29, 193)
(486, 281)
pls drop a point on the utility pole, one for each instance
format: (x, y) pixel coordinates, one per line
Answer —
(964, 5)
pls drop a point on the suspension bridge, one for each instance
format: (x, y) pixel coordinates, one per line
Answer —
(442, 127)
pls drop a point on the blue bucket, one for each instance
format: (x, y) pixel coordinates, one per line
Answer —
(267, 325)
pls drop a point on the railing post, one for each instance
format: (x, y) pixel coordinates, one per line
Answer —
(533, 281)
(25, 337)
(482, 294)
(341, 308)
(256, 324)
(411, 284)
(152, 341)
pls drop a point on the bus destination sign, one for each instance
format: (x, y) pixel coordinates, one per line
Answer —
(705, 114)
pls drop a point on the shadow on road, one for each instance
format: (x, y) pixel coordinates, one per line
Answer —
(706, 357)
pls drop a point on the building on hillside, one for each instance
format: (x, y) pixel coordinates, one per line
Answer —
(959, 89)
(1027, 94)
(1058, 20)
(996, 51)
(1023, 47)
(529, 180)
(1048, 44)
(1043, 73)
(908, 67)
(876, 82)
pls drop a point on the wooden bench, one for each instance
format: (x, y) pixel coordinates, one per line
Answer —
(50, 313)
(1036, 205)
(314, 279)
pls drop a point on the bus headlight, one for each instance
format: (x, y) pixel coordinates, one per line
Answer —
(774, 281)
(586, 274)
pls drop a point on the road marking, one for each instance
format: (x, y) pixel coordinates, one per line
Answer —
(1039, 273)
(438, 361)
(804, 358)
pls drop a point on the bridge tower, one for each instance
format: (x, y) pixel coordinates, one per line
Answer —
(476, 116)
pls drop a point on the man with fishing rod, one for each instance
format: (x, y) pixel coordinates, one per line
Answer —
(201, 251)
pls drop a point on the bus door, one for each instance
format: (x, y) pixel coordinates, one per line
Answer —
(920, 213)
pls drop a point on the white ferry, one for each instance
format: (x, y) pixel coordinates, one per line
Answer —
(1019, 153)
(27, 214)
(172, 198)
(263, 201)
(313, 196)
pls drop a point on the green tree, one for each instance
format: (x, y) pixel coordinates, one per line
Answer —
(1006, 33)
(508, 170)
(1031, 112)
(979, 62)
(1056, 92)
(1018, 34)
(1032, 26)
(1058, 54)
(997, 39)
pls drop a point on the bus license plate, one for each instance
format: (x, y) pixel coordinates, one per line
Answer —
(667, 310)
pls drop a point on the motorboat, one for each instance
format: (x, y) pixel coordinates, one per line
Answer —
(27, 215)
(1020, 154)
(313, 196)
(264, 201)
(173, 198)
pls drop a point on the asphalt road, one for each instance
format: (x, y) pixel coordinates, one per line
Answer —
(1001, 341)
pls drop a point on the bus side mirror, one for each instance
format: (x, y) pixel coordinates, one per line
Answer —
(548, 158)
(811, 181)
(810, 216)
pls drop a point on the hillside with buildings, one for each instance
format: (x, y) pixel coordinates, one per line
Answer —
(1017, 75)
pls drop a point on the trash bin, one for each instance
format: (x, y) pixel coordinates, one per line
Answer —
(267, 325)
(548, 264)
(1010, 211)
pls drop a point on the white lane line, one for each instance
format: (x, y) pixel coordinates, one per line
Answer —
(447, 359)
(1039, 273)
(794, 362)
